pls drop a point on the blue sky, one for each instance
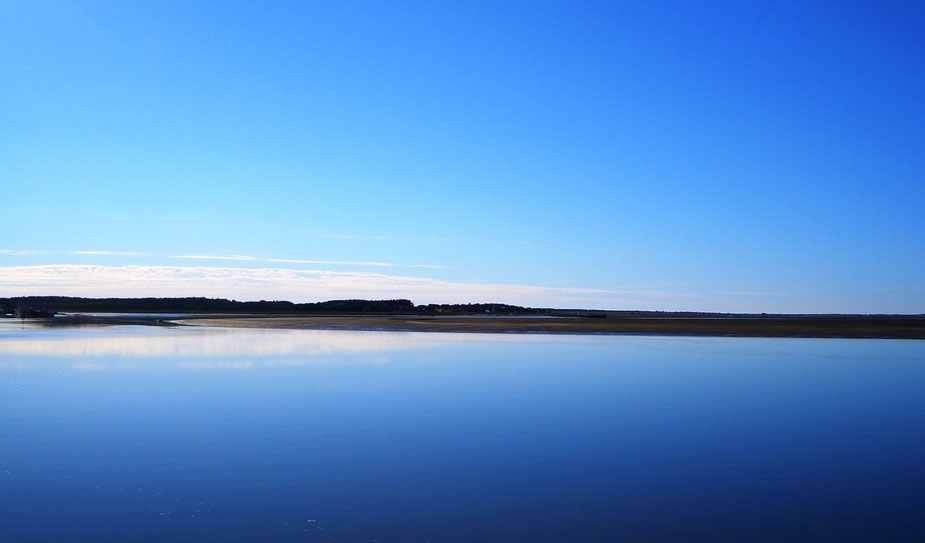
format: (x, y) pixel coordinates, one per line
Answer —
(737, 156)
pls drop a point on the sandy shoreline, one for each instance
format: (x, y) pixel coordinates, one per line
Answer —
(796, 326)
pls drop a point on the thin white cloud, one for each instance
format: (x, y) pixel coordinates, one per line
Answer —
(114, 253)
(379, 238)
(214, 257)
(236, 258)
(402, 238)
(757, 294)
(326, 262)
(307, 285)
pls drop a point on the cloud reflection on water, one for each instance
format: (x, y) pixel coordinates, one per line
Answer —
(195, 348)
(143, 342)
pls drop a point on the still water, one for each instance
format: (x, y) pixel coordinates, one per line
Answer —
(215, 434)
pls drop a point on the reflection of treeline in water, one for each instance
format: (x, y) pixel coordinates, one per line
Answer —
(67, 304)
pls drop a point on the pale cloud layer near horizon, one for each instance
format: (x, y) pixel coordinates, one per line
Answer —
(312, 285)
(306, 286)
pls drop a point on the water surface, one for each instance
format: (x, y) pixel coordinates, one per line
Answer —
(310, 435)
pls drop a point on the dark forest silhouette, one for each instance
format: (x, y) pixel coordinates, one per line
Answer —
(67, 304)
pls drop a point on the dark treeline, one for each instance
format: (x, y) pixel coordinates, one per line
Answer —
(66, 304)
(36, 306)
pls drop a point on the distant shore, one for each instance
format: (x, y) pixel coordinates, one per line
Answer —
(403, 315)
(615, 323)
(912, 327)
(847, 327)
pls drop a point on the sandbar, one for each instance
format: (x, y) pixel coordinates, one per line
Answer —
(898, 327)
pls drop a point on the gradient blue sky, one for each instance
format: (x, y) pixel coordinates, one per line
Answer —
(737, 156)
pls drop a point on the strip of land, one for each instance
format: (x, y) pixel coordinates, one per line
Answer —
(403, 315)
(752, 326)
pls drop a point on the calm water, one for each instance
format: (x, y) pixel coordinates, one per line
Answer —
(179, 434)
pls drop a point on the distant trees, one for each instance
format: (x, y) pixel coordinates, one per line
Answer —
(68, 304)
(472, 309)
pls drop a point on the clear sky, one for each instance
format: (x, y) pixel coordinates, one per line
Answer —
(737, 156)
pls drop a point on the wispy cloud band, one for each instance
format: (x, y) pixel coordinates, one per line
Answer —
(19, 252)
(754, 294)
(305, 285)
(219, 257)
(107, 253)
(379, 238)
(214, 257)
(326, 262)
